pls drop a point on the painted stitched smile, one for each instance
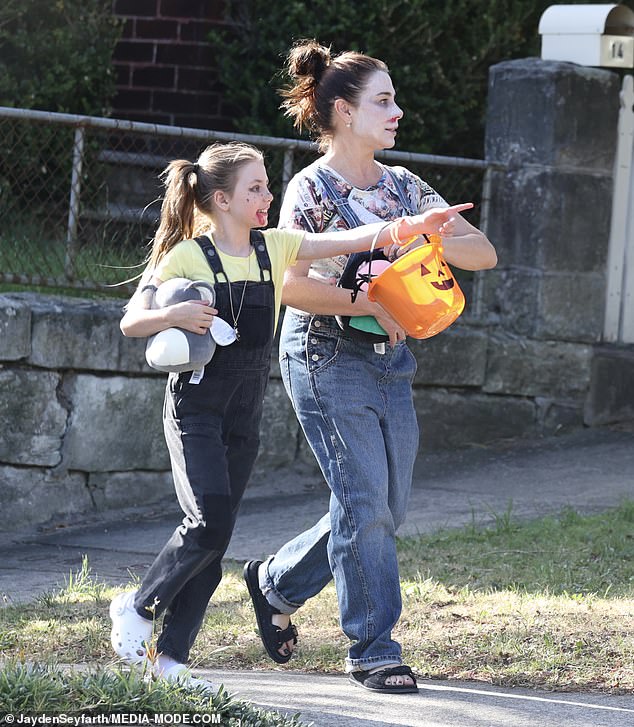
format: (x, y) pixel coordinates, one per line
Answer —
(444, 284)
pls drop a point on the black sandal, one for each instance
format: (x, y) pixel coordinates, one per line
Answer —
(273, 637)
(375, 682)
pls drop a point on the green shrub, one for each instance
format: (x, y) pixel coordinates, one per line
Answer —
(56, 55)
(438, 53)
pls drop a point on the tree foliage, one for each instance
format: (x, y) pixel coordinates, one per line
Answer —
(438, 53)
(56, 55)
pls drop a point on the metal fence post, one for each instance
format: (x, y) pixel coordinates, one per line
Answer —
(75, 194)
(287, 170)
(478, 288)
(617, 274)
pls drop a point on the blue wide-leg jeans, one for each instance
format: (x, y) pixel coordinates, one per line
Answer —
(356, 409)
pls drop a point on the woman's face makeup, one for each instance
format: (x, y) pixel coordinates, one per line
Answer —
(377, 114)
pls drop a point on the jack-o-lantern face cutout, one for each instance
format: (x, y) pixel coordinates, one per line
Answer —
(444, 282)
(419, 291)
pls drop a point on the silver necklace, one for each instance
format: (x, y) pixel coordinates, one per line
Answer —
(244, 290)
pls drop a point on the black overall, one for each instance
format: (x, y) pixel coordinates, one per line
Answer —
(212, 433)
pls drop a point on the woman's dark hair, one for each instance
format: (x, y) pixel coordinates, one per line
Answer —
(318, 79)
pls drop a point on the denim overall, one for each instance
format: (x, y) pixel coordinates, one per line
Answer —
(356, 409)
(212, 434)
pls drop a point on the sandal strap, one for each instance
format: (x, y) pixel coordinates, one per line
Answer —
(284, 635)
(392, 671)
(402, 670)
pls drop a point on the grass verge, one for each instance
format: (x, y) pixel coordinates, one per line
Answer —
(30, 690)
(546, 604)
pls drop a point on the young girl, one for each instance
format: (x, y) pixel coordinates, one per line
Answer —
(212, 425)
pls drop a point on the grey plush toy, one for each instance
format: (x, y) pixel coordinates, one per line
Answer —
(175, 350)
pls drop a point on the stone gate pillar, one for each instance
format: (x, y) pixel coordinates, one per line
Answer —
(554, 127)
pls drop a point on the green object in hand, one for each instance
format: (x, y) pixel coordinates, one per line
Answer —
(369, 324)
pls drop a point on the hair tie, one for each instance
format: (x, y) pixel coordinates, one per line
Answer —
(320, 70)
(196, 168)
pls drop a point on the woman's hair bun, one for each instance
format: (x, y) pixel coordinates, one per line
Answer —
(308, 59)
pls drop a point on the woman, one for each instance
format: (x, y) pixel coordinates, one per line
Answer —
(353, 398)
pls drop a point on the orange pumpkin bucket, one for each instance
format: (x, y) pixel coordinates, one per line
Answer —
(419, 290)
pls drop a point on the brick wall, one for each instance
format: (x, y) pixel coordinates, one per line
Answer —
(165, 65)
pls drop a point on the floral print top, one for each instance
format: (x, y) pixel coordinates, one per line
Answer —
(308, 206)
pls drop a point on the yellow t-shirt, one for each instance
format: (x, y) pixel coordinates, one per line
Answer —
(187, 260)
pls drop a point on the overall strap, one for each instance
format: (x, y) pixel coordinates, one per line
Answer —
(343, 206)
(402, 195)
(349, 276)
(341, 203)
(212, 257)
(258, 241)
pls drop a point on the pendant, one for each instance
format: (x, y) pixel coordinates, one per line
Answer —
(237, 332)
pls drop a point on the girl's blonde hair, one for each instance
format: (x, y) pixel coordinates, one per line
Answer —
(189, 191)
(318, 79)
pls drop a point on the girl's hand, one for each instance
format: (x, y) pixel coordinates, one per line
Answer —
(435, 221)
(443, 219)
(195, 316)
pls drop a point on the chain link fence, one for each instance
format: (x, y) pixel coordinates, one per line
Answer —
(80, 196)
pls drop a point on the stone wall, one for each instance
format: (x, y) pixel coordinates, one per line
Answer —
(80, 410)
(553, 126)
(80, 413)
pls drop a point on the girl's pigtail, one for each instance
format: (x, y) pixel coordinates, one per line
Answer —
(178, 208)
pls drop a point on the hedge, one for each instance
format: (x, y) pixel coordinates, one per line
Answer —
(438, 52)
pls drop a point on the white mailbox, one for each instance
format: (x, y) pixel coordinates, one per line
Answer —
(591, 35)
